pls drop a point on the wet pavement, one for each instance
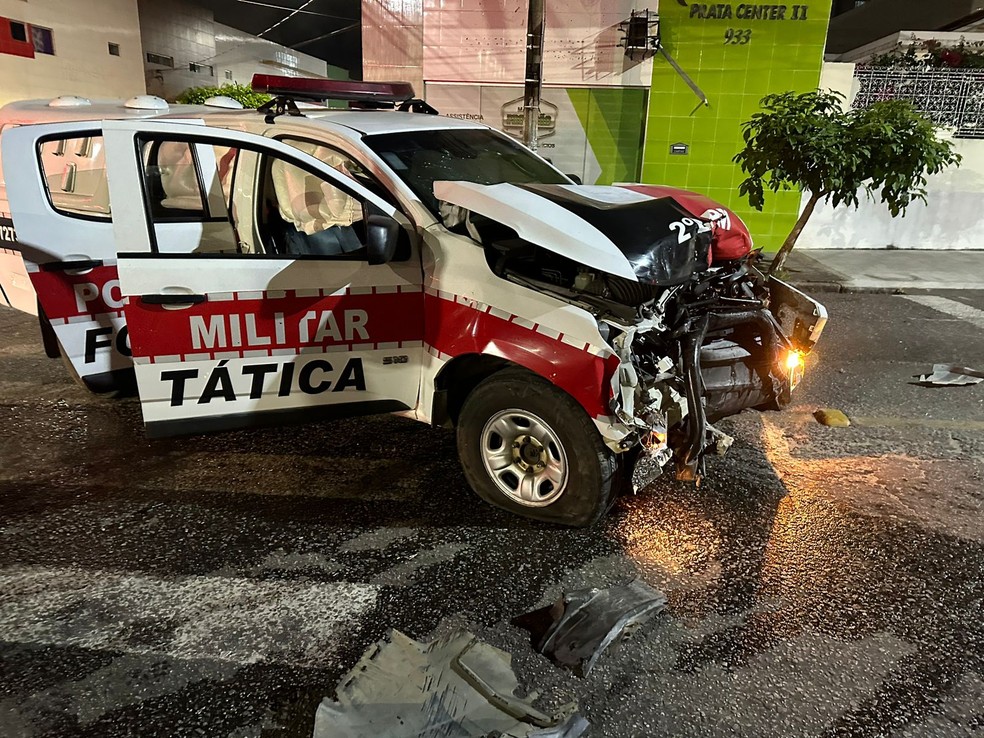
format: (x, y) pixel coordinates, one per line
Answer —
(822, 581)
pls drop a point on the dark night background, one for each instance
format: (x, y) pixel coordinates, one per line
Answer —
(305, 30)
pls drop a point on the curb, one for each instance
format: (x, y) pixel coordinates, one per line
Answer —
(827, 287)
(810, 287)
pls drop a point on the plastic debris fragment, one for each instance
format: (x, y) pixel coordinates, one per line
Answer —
(580, 626)
(453, 686)
(832, 418)
(949, 375)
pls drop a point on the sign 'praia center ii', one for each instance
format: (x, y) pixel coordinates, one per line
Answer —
(746, 11)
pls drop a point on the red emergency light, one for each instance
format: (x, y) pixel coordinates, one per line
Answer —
(308, 88)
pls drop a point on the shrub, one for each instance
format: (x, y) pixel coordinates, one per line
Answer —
(242, 93)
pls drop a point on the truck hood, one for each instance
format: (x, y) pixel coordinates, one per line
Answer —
(540, 221)
(611, 229)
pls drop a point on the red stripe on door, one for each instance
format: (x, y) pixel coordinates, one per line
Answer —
(263, 323)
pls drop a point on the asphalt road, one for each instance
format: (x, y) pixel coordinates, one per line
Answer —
(822, 582)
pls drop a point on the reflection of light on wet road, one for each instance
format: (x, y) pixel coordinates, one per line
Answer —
(671, 549)
(819, 539)
(671, 543)
(785, 530)
(838, 477)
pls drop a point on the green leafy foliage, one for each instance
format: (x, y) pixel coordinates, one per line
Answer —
(808, 141)
(931, 54)
(242, 93)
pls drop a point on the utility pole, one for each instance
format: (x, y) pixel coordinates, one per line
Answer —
(534, 72)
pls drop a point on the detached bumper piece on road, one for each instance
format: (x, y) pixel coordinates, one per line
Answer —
(948, 375)
(581, 625)
(452, 686)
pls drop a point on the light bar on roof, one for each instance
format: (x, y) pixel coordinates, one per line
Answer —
(332, 89)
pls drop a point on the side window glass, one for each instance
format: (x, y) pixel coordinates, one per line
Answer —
(188, 188)
(302, 214)
(171, 179)
(74, 170)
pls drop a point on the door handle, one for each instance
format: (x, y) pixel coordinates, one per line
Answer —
(172, 299)
(64, 266)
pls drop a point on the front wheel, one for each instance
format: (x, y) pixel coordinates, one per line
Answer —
(528, 447)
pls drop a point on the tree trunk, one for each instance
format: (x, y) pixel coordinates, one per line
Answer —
(787, 246)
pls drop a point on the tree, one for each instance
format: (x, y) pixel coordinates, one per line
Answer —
(808, 141)
(241, 93)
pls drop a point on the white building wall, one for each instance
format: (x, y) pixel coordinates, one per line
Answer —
(952, 218)
(238, 56)
(81, 64)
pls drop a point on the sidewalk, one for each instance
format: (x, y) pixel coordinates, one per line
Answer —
(885, 270)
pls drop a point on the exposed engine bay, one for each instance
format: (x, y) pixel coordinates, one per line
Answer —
(699, 337)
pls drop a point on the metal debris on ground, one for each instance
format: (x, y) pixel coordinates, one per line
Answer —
(832, 418)
(576, 630)
(454, 687)
(949, 375)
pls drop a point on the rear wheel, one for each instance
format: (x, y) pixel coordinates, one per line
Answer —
(528, 447)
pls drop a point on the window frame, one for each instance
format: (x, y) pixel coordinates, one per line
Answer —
(27, 36)
(261, 152)
(87, 133)
(51, 38)
(160, 60)
(199, 179)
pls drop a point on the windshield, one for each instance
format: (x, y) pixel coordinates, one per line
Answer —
(478, 155)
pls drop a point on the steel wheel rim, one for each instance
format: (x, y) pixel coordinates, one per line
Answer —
(524, 458)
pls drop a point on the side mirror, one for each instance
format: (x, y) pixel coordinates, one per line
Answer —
(382, 238)
(575, 178)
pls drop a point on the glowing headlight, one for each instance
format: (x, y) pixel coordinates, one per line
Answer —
(795, 364)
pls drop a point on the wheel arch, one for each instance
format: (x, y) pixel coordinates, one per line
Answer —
(456, 380)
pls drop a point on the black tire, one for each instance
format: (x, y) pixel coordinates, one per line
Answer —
(592, 478)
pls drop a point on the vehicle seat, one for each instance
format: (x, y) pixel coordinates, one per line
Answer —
(178, 178)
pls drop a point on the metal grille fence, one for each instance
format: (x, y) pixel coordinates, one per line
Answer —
(951, 97)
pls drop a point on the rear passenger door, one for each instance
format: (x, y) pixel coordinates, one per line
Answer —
(58, 193)
(298, 325)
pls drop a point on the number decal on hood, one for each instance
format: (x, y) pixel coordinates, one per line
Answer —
(682, 226)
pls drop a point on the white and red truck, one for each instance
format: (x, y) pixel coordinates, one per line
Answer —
(243, 267)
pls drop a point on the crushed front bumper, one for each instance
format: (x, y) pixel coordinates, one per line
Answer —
(726, 361)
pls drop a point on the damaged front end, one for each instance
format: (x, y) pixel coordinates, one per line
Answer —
(704, 351)
(699, 337)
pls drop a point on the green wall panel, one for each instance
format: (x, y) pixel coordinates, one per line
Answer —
(613, 120)
(777, 52)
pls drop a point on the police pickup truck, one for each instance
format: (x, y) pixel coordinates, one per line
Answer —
(244, 267)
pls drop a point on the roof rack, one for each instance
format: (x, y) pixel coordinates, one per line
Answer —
(359, 94)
